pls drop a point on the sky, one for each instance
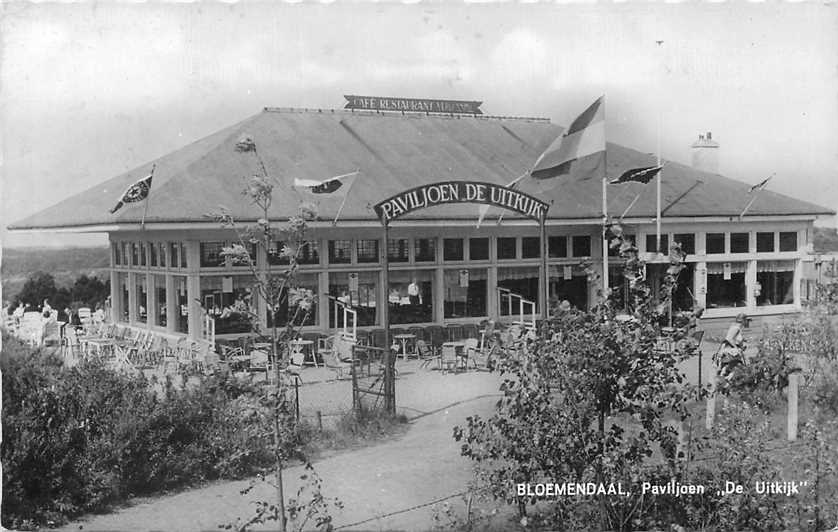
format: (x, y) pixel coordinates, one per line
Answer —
(92, 90)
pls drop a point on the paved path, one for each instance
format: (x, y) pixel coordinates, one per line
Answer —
(421, 465)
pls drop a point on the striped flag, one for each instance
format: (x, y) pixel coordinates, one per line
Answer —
(580, 150)
(135, 193)
(334, 186)
(639, 175)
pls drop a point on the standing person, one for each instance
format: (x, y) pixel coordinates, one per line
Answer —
(732, 352)
(46, 309)
(413, 292)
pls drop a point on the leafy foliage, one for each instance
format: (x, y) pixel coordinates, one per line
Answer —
(76, 440)
(589, 399)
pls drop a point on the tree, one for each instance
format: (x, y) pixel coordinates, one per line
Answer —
(588, 400)
(277, 290)
(38, 286)
(90, 291)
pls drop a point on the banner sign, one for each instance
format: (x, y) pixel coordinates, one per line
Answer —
(460, 192)
(377, 103)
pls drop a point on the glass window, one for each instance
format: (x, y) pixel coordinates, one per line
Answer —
(687, 241)
(124, 303)
(135, 256)
(173, 253)
(274, 253)
(340, 251)
(452, 249)
(398, 250)
(619, 286)
(521, 282)
(367, 250)
(161, 248)
(299, 315)
(788, 241)
(715, 243)
(775, 280)
(159, 299)
(507, 248)
(478, 249)
(229, 301)
(739, 242)
(211, 256)
(115, 254)
(309, 253)
(582, 246)
(424, 249)
(411, 296)
(557, 246)
(726, 285)
(652, 243)
(363, 300)
(152, 254)
(140, 290)
(570, 283)
(123, 247)
(530, 247)
(765, 242)
(182, 255)
(141, 252)
(182, 323)
(465, 293)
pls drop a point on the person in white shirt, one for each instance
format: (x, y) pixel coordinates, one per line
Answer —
(413, 292)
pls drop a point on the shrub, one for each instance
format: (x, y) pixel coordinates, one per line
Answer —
(76, 440)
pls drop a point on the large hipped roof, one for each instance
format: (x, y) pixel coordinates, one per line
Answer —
(393, 152)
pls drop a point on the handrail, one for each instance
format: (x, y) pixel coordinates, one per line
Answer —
(523, 305)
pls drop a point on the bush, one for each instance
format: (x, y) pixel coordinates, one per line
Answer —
(77, 440)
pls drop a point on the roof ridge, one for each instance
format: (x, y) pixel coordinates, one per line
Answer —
(369, 112)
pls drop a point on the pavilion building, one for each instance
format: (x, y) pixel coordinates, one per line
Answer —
(168, 273)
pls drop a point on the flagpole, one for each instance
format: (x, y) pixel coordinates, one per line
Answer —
(637, 197)
(513, 183)
(756, 190)
(342, 203)
(148, 198)
(660, 178)
(604, 212)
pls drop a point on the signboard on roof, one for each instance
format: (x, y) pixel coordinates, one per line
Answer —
(414, 105)
(460, 192)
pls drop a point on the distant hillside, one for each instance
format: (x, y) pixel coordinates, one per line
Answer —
(826, 239)
(65, 265)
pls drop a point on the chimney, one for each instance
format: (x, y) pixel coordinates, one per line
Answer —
(705, 154)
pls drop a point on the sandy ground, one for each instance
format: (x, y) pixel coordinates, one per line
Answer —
(413, 469)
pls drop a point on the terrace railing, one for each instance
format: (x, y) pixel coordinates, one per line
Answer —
(516, 303)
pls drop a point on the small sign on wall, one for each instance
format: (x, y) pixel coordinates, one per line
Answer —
(227, 285)
(726, 271)
(463, 278)
(353, 282)
(568, 273)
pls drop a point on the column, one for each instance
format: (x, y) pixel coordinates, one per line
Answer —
(132, 297)
(116, 297)
(172, 310)
(491, 285)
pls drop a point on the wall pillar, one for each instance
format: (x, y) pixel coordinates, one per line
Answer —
(116, 297)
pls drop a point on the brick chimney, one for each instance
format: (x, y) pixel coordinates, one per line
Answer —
(705, 154)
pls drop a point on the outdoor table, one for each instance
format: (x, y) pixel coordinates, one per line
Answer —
(403, 338)
(303, 347)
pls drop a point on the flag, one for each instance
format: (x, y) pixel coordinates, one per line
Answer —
(136, 192)
(759, 186)
(640, 175)
(581, 144)
(335, 186)
(484, 208)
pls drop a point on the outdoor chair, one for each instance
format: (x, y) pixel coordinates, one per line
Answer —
(425, 352)
(334, 363)
(470, 352)
(470, 330)
(172, 355)
(51, 334)
(418, 332)
(436, 336)
(71, 348)
(449, 359)
(454, 332)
